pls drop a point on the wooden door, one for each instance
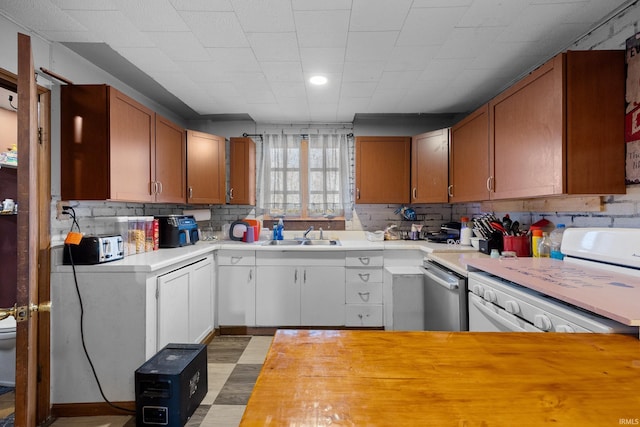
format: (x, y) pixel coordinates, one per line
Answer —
(171, 152)
(469, 158)
(430, 167)
(383, 169)
(32, 338)
(242, 173)
(206, 171)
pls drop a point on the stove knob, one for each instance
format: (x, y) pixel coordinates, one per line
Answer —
(512, 307)
(541, 321)
(478, 290)
(565, 328)
(490, 296)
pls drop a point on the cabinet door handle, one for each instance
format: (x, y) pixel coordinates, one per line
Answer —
(191, 192)
(250, 274)
(159, 187)
(364, 276)
(231, 194)
(364, 259)
(415, 193)
(304, 276)
(295, 276)
(364, 296)
(489, 183)
(450, 190)
(357, 193)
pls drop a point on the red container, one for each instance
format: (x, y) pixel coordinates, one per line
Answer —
(518, 244)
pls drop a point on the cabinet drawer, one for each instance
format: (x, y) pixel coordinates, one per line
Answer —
(364, 275)
(236, 258)
(364, 293)
(364, 315)
(364, 259)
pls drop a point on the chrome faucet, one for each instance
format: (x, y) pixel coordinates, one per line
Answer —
(307, 232)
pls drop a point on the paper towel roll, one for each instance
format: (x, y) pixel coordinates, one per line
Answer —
(198, 214)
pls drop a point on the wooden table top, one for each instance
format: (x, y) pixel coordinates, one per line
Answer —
(378, 378)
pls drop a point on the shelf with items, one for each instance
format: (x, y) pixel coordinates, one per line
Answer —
(8, 165)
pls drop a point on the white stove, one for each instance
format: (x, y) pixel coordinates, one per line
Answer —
(600, 273)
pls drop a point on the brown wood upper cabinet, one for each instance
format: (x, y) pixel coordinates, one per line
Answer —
(206, 172)
(429, 167)
(469, 158)
(114, 148)
(242, 173)
(382, 169)
(560, 130)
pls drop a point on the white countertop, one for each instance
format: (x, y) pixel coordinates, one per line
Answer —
(456, 261)
(157, 260)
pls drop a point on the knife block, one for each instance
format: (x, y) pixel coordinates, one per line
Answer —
(494, 242)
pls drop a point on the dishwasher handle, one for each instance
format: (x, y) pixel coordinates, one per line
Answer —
(439, 280)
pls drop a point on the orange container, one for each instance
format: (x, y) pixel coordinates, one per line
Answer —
(256, 227)
(517, 244)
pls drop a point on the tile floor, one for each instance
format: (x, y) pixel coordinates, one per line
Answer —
(234, 363)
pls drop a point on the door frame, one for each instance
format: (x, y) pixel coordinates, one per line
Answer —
(43, 257)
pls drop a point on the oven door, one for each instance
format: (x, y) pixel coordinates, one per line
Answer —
(487, 317)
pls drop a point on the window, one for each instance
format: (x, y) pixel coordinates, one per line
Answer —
(304, 176)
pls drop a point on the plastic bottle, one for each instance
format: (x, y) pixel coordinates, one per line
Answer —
(275, 231)
(544, 247)
(280, 229)
(465, 231)
(556, 241)
(535, 242)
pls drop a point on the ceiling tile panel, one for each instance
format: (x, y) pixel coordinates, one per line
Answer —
(179, 46)
(526, 26)
(321, 5)
(238, 59)
(85, 4)
(203, 5)
(216, 29)
(152, 15)
(411, 57)
(357, 89)
(378, 15)
(274, 46)
(363, 71)
(290, 71)
(283, 90)
(492, 13)
(40, 15)
(322, 28)
(260, 16)
(322, 60)
(429, 26)
(370, 46)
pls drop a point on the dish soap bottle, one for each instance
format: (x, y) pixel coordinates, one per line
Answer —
(280, 229)
(544, 247)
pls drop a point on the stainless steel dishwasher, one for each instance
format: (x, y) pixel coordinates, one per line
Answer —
(445, 298)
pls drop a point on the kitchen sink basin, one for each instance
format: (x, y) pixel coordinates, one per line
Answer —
(321, 243)
(283, 243)
(300, 242)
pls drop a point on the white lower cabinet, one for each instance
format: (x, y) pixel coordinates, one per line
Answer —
(300, 289)
(236, 288)
(185, 303)
(363, 294)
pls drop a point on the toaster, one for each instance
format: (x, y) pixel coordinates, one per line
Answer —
(94, 250)
(177, 230)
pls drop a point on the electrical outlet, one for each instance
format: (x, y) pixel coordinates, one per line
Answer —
(59, 215)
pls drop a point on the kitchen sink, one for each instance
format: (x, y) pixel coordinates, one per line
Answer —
(321, 243)
(300, 242)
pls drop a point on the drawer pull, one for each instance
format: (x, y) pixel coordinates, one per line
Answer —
(364, 296)
(236, 259)
(364, 260)
(364, 276)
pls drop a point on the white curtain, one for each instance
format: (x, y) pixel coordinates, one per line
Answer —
(279, 176)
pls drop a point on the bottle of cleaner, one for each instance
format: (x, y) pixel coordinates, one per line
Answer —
(280, 229)
(274, 232)
(465, 231)
(556, 241)
(535, 242)
(544, 247)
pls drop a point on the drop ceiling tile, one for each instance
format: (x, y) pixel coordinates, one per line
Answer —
(323, 5)
(318, 59)
(429, 26)
(179, 46)
(411, 57)
(85, 4)
(274, 46)
(492, 13)
(152, 59)
(322, 28)
(362, 71)
(152, 15)
(72, 36)
(221, 91)
(357, 89)
(290, 71)
(259, 16)
(41, 16)
(284, 90)
(216, 29)
(443, 3)
(203, 5)
(469, 42)
(370, 46)
(230, 59)
(526, 26)
(443, 69)
(593, 11)
(378, 15)
(398, 79)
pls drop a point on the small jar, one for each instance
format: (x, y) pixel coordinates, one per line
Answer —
(494, 253)
(465, 231)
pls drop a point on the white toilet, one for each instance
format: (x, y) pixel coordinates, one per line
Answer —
(8, 352)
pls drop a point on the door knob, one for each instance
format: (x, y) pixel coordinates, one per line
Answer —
(6, 312)
(21, 313)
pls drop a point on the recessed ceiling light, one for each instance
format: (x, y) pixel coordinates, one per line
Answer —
(318, 80)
